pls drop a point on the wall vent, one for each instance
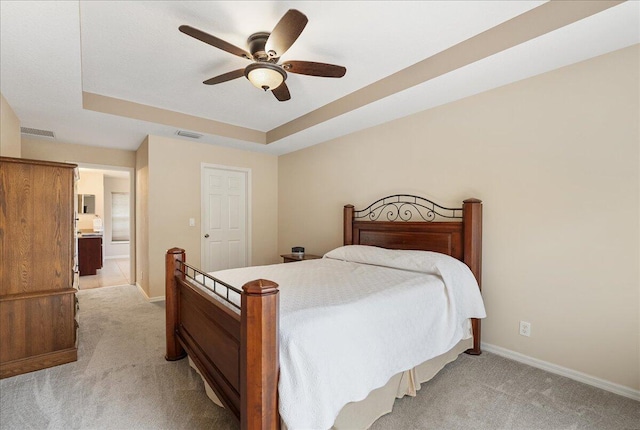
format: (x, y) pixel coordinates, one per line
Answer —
(37, 132)
(189, 134)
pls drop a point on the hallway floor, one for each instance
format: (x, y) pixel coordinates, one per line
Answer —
(114, 272)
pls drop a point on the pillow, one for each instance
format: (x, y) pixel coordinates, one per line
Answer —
(457, 277)
(417, 261)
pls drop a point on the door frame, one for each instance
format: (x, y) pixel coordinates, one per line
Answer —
(247, 175)
(132, 209)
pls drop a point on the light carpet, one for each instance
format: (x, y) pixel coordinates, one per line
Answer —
(121, 381)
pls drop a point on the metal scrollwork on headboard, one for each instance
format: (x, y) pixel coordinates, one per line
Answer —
(404, 207)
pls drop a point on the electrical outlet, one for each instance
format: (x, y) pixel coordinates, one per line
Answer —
(525, 328)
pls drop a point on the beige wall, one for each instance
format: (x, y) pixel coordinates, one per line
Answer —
(142, 216)
(174, 197)
(40, 149)
(555, 159)
(9, 130)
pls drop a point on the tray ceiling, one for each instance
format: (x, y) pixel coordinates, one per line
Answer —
(109, 73)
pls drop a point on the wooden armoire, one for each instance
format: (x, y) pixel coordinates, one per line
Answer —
(37, 252)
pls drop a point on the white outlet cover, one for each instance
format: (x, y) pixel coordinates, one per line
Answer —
(525, 328)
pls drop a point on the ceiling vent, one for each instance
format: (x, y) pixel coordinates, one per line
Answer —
(37, 132)
(189, 134)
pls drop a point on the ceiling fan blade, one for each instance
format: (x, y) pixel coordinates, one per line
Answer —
(225, 77)
(315, 69)
(214, 41)
(285, 33)
(282, 92)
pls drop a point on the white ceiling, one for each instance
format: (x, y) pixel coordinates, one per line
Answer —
(52, 51)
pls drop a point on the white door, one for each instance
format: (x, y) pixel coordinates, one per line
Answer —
(224, 218)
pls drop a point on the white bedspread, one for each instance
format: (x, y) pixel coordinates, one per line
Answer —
(347, 327)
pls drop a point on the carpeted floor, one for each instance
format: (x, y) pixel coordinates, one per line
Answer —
(121, 381)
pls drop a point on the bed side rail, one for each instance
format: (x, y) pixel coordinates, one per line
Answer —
(214, 285)
(177, 269)
(258, 358)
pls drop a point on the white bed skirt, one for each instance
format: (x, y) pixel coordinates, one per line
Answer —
(362, 414)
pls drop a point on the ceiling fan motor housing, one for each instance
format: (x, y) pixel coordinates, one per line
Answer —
(257, 42)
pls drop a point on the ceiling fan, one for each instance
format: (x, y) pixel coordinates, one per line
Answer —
(265, 50)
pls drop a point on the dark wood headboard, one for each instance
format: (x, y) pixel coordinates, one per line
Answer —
(403, 221)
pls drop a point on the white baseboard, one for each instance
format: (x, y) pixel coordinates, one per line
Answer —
(149, 299)
(563, 371)
(142, 291)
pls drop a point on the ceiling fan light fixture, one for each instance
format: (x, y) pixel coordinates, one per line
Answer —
(265, 76)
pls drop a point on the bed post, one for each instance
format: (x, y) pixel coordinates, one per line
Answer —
(259, 352)
(472, 221)
(174, 349)
(348, 225)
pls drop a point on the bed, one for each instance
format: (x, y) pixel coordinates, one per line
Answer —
(233, 336)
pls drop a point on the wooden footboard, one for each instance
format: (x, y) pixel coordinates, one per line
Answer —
(236, 353)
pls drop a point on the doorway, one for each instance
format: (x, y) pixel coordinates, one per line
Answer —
(108, 223)
(226, 215)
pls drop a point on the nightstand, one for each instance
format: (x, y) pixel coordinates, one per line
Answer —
(290, 258)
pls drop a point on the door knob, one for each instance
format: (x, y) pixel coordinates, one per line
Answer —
(206, 235)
